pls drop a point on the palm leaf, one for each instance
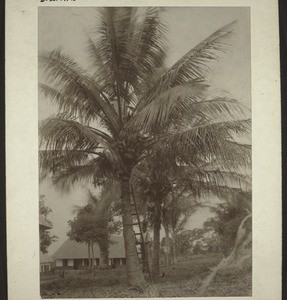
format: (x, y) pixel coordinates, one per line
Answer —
(67, 178)
(147, 43)
(59, 133)
(215, 109)
(154, 116)
(52, 160)
(67, 78)
(208, 141)
(193, 65)
(71, 102)
(216, 180)
(90, 172)
(130, 44)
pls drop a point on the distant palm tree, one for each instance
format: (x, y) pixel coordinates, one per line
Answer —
(129, 107)
(169, 191)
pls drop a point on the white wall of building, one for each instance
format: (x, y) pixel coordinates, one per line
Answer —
(70, 263)
(59, 263)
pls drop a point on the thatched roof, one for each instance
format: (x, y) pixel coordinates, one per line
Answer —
(45, 258)
(44, 223)
(72, 250)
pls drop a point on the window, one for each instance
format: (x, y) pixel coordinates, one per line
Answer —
(65, 262)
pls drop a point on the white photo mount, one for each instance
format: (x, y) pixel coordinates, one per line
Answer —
(22, 140)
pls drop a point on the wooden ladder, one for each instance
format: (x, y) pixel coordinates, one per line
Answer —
(143, 252)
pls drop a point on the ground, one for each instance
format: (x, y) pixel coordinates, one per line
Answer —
(180, 280)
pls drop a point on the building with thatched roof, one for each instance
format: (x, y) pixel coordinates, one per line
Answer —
(46, 263)
(73, 255)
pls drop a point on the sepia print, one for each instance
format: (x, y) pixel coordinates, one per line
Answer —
(144, 152)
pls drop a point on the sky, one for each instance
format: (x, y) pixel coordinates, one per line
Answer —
(66, 27)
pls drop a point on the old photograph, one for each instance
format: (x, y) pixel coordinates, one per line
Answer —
(145, 173)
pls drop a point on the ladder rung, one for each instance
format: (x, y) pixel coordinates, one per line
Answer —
(139, 253)
(142, 262)
(137, 233)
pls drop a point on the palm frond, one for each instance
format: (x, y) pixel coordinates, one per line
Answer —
(82, 97)
(93, 171)
(71, 102)
(94, 55)
(52, 160)
(110, 47)
(147, 43)
(215, 181)
(154, 115)
(208, 141)
(67, 178)
(193, 66)
(198, 113)
(130, 45)
(60, 133)
(216, 109)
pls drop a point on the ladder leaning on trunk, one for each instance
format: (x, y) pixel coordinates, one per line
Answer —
(142, 254)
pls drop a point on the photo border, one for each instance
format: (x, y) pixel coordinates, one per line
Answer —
(22, 143)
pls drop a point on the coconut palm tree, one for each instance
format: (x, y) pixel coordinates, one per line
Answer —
(113, 117)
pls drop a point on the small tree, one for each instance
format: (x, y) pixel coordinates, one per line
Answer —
(237, 237)
(46, 238)
(229, 216)
(94, 223)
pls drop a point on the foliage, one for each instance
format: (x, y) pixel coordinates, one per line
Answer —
(195, 241)
(219, 232)
(229, 215)
(170, 193)
(183, 243)
(111, 119)
(93, 222)
(46, 238)
(43, 209)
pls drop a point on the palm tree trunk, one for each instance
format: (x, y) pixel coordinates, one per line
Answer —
(89, 255)
(134, 273)
(168, 245)
(173, 249)
(172, 258)
(155, 248)
(104, 255)
(93, 256)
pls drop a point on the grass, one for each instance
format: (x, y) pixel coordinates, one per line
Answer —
(181, 280)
